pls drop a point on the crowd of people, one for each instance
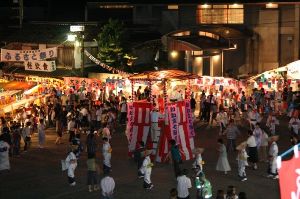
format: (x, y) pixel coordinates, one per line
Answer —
(78, 114)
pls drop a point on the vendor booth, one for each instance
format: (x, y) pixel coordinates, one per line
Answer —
(278, 78)
(176, 115)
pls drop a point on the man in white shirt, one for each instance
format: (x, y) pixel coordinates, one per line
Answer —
(107, 186)
(183, 185)
(106, 153)
(154, 123)
(98, 116)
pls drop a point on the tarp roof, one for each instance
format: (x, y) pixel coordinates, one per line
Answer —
(14, 85)
(164, 74)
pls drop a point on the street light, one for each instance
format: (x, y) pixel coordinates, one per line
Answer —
(71, 37)
(79, 34)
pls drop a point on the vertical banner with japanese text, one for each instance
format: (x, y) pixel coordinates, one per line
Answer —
(45, 66)
(173, 121)
(28, 55)
(130, 116)
(189, 118)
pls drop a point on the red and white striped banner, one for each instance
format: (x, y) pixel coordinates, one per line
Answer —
(141, 127)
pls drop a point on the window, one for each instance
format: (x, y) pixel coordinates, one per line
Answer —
(220, 14)
(172, 7)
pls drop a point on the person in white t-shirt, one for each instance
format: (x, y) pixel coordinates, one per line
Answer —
(183, 185)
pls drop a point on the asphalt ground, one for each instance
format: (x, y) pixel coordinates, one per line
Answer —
(37, 173)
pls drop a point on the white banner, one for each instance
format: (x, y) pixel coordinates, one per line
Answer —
(44, 66)
(28, 55)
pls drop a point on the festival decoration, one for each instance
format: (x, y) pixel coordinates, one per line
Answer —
(109, 68)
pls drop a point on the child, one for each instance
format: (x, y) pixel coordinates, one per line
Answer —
(242, 161)
(146, 169)
(272, 122)
(92, 173)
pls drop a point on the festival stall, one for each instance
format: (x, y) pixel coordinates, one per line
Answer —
(278, 78)
(177, 122)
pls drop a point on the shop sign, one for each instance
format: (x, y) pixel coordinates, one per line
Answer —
(27, 55)
(44, 66)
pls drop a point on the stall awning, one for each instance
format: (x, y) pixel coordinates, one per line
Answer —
(164, 74)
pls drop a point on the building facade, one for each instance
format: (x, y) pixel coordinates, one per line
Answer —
(215, 39)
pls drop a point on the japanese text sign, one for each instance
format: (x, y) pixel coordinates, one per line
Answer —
(27, 55)
(189, 118)
(172, 109)
(44, 66)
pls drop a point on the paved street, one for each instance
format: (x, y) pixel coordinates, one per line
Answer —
(37, 173)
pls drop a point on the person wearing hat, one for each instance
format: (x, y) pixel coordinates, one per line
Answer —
(272, 121)
(71, 164)
(203, 186)
(273, 153)
(253, 118)
(146, 170)
(198, 164)
(242, 160)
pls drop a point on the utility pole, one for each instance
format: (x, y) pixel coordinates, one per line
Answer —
(82, 53)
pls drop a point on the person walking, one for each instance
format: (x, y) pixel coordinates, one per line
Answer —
(198, 163)
(41, 133)
(242, 160)
(273, 153)
(222, 164)
(203, 186)
(222, 119)
(71, 164)
(138, 156)
(231, 133)
(252, 148)
(176, 157)
(183, 185)
(123, 110)
(27, 136)
(106, 153)
(92, 180)
(91, 144)
(146, 170)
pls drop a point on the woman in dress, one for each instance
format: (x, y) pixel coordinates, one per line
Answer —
(222, 164)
